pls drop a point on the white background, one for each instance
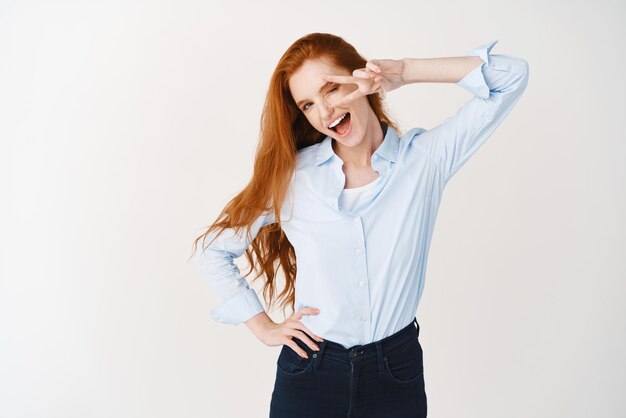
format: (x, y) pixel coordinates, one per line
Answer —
(126, 126)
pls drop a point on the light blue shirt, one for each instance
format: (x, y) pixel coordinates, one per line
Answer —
(365, 270)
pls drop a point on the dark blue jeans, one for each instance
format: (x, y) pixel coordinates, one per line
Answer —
(382, 379)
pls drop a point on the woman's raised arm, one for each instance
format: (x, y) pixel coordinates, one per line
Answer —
(497, 85)
(438, 70)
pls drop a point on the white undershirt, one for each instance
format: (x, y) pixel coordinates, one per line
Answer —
(353, 199)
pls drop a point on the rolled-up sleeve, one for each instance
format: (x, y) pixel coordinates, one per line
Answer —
(237, 302)
(497, 85)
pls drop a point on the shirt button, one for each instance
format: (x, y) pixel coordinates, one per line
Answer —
(362, 283)
(356, 220)
(363, 317)
(359, 251)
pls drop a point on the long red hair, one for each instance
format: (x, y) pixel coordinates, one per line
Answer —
(284, 131)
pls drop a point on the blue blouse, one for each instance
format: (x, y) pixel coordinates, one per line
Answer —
(365, 271)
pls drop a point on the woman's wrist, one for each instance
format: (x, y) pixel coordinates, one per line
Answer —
(259, 324)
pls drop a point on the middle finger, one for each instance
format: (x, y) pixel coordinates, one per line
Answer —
(358, 93)
(339, 78)
(363, 73)
(308, 331)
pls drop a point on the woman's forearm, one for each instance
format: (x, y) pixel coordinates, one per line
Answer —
(258, 324)
(438, 70)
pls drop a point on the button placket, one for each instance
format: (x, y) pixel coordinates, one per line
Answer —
(360, 279)
(360, 252)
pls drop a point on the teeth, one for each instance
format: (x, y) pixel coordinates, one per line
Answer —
(336, 122)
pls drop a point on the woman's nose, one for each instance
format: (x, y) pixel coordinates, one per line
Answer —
(327, 109)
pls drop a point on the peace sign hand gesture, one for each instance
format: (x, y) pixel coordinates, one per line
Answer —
(378, 76)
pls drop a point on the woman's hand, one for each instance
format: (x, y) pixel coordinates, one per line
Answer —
(378, 76)
(281, 334)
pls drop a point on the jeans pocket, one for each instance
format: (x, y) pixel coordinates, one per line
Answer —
(291, 363)
(405, 364)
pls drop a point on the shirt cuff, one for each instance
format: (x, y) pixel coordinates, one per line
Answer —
(238, 308)
(474, 81)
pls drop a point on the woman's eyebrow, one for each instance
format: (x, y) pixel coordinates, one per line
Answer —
(324, 86)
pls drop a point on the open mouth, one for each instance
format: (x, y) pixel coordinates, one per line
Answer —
(343, 126)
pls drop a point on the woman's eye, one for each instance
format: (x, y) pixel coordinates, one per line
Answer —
(305, 107)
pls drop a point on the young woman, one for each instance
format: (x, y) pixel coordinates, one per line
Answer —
(346, 205)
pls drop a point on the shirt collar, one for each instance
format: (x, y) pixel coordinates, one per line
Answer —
(388, 149)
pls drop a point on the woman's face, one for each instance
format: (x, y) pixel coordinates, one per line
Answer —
(314, 97)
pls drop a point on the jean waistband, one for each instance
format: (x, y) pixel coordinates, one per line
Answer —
(365, 353)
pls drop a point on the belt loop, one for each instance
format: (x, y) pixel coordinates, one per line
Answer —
(379, 352)
(417, 326)
(318, 354)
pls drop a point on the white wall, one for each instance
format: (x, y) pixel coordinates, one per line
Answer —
(125, 127)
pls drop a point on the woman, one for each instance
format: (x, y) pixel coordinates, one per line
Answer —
(344, 200)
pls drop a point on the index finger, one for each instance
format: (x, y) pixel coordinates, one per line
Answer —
(303, 311)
